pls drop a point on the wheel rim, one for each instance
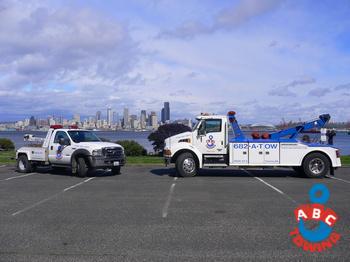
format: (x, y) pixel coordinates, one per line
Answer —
(316, 166)
(21, 165)
(189, 165)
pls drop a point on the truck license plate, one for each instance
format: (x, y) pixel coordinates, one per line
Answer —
(116, 163)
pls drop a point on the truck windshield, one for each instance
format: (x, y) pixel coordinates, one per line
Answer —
(83, 136)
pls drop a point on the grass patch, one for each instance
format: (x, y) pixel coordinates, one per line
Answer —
(144, 160)
(5, 157)
(345, 160)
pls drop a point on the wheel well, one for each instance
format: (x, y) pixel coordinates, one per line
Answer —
(86, 158)
(173, 159)
(320, 152)
(22, 154)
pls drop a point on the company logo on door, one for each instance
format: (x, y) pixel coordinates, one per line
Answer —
(210, 142)
(320, 237)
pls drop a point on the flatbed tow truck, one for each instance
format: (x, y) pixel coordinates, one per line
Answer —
(208, 145)
(80, 150)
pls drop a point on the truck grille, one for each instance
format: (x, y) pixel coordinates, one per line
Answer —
(112, 152)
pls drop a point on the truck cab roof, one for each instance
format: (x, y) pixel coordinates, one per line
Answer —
(211, 117)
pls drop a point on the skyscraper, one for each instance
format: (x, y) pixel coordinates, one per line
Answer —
(165, 114)
(126, 123)
(98, 115)
(109, 116)
(143, 119)
(154, 120)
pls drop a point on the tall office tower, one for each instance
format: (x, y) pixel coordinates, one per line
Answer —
(165, 114)
(154, 120)
(98, 115)
(143, 119)
(126, 123)
(32, 121)
(109, 116)
(167, 111)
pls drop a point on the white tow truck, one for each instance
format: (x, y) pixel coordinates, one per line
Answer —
(81, 150)
(209, 145)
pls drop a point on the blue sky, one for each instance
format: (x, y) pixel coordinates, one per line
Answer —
(267, 60)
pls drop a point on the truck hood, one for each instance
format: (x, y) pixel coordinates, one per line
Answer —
(96, 145)
(177, 138)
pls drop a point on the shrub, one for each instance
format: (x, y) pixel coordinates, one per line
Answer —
(164, 132)
(132, 148)
(6, 144)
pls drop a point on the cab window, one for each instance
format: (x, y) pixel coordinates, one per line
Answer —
(59, 135)
(213, 125)
(210, 126)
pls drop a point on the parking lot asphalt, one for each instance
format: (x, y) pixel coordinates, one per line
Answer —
(149, 214)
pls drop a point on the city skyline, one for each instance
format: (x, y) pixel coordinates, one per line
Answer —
(63, 57)
(110, 120)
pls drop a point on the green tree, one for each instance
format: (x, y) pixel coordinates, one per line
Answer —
(132, 148)
(6, 144)
(164, 132)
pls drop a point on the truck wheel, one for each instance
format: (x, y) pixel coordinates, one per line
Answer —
(116, 170)
(81, 167)
(186, 165)
(316, 165)
(24, 165)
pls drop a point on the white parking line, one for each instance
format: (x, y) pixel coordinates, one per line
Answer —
(167, 203)
(336, 178)
(50, 197)
(71, 187)
(271, 186)
(15, 177)
(2, 165)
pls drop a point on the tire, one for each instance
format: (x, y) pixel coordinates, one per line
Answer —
(116, 170)
(316, 165)
(186, 165)
(24, 165)
(81, 167)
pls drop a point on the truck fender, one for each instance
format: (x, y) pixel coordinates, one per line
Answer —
(326, 154)
(79, 153)
(191, 150)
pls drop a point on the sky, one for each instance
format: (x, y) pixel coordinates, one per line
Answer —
(264, 59)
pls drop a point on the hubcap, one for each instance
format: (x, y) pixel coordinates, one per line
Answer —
(189, 165)
(316, 166)
(21, 165)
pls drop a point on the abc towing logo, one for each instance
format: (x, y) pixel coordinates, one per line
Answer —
(321, 237)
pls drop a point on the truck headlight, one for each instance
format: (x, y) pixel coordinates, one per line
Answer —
(97, 152)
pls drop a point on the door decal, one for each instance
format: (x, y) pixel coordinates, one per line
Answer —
(59, 152)
(210, 142)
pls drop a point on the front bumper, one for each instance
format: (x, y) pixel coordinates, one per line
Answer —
(106, 162)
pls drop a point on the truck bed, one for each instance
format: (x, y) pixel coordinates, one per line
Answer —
(34, 153)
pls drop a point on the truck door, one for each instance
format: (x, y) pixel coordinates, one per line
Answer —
(210, 138)
(60, 153)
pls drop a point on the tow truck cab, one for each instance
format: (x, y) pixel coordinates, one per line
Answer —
(81, 150)
(209, 145)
